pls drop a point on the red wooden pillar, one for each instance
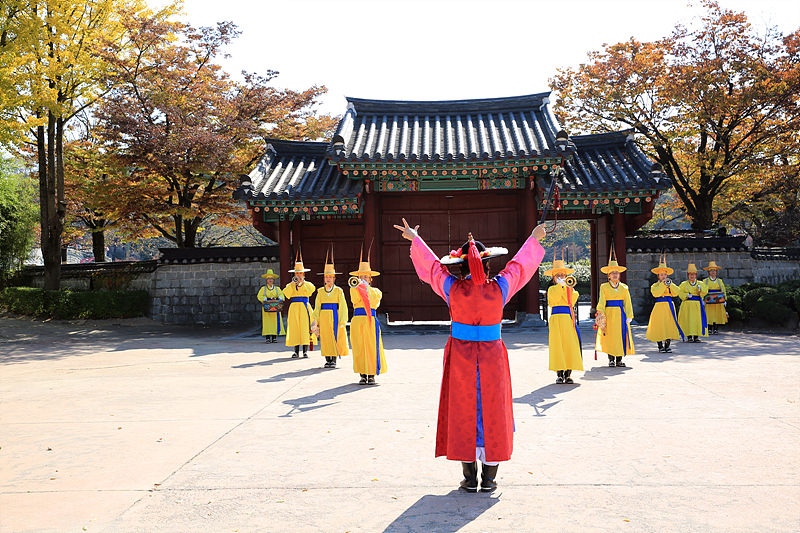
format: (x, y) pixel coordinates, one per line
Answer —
(285, 248)
(371, 230)
(594, 264)
(619, 243)
(531, 291)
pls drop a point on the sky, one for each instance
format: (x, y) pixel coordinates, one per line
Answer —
(443, 49)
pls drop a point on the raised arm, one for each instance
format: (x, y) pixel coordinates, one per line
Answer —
(519, 271)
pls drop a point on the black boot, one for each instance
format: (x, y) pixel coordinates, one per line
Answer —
(567, 378)
(611, 361)
(274, 338)
(296, 352)
(660, 346)
(666, 346)
(370, 380)
(333, 362)
(470, 481)
(363, 380)
(305, 350)
(488, 483)
(560, 378)
(619, 361)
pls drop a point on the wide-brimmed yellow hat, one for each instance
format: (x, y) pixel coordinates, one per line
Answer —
(363, 266)
(612, 267)
(662, 266)
(559, 267)
(270, 274)
(692, 268)
(329, 269)
(298, 263)
(612, 263)
(712, 265)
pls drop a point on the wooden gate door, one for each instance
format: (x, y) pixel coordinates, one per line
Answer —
(445, 219)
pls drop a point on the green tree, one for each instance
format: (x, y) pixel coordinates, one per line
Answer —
(51, 69)
(185, 131)
(712, 104)
(17, 217)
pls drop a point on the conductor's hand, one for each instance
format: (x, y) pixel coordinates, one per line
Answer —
(408, 232)
(539, 232)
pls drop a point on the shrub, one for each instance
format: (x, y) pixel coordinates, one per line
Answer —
(734, 313)
(72, 304)
(796, 301)
(772, 312)
(752, 296)
(734, 301)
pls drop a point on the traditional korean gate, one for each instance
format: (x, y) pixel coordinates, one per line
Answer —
(445, 219)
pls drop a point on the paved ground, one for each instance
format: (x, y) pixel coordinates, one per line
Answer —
(147, 428)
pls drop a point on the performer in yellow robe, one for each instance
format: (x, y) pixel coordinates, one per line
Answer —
(692, 316)
(272, 323)
(330, 314)
(715, 313)
(369, 359)
(615, 303)
(565, 339)
(663, 325)
(299, 319)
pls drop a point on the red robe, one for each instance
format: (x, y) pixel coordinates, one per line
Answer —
(476, 305)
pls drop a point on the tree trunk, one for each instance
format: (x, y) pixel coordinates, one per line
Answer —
(51, 239)
(99, 246)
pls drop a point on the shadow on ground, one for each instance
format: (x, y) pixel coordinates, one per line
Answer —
(446, 513)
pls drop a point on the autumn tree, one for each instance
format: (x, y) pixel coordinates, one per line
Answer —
(185, 131)
(710, 103)
(51, 69)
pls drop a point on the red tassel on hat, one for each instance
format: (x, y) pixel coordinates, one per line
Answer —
(475, 264)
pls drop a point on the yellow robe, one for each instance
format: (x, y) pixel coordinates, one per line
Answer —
(330, 344)
(611, 342)
(362, 335)
(565, 350)
(689, 317)
(716, 312)
(662, 324)
(298, 321)
(272, 323)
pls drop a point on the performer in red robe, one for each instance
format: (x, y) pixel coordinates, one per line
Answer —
(476, 371)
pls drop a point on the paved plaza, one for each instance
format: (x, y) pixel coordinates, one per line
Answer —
(137, 427)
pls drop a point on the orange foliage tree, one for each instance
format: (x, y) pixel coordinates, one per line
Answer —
(185, 132)
(713, 104)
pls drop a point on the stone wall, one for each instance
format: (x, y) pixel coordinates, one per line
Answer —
(738, 267)
(208, 293)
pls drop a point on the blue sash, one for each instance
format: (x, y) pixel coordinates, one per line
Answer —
(702, 310)
(671, 308)
(335, 309)
(467, 332)
(360, 311)
(565, 310)
(621, 305)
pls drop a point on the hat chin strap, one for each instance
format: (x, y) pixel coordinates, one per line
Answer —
(476, 265)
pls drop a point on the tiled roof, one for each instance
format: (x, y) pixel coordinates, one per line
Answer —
(610, 162)
(295, 170)
(455, 130)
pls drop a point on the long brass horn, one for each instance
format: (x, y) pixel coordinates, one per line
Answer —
(353, 281)
(571, 281)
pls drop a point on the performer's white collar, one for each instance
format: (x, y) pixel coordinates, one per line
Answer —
(692, 283)
(712, 278)
(615, 287)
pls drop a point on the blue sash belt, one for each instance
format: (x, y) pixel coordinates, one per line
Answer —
(335, 309)
(467, 332)
(565, 310)
(360, 311)
(671, 308)
(702, 310)
(621, 305)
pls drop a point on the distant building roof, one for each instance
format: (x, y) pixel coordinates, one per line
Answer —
(451, 130)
